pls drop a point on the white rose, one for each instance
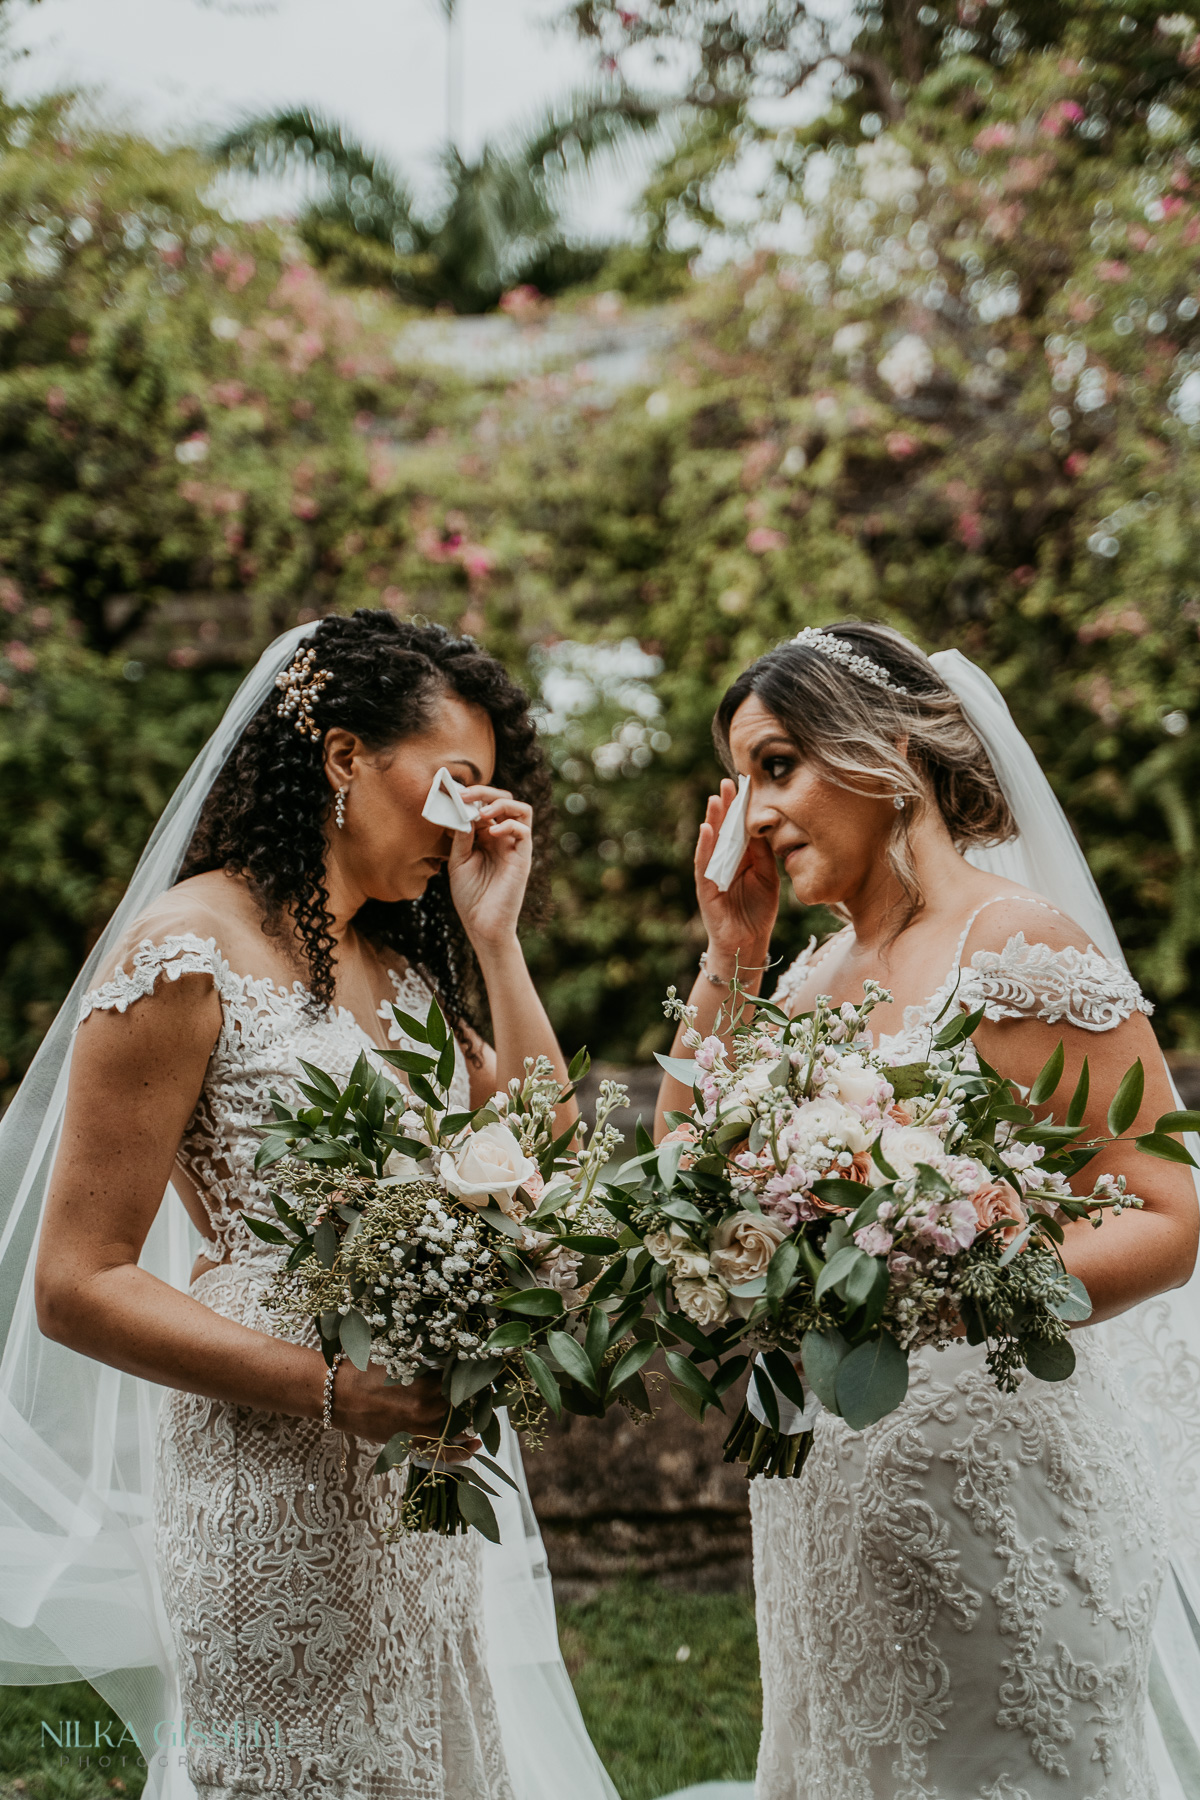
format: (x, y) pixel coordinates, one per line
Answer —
(832, 1122)
(489, 1165)
(663, 1245)
(703, 1302)
(744, 1245)
(689, 1264)
(853, 1081)
(904, 1146)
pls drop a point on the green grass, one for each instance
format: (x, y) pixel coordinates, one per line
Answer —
(659, 1722)
(28, 1757)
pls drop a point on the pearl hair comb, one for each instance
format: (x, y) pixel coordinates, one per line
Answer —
(302, 685)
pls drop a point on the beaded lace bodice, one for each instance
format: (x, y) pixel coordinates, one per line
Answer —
(265, 1035)
(1022, 980)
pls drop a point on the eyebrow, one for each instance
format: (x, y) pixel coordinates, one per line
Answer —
(760, 749)
(466, 763)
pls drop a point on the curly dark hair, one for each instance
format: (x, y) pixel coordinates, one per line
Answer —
(265, 816)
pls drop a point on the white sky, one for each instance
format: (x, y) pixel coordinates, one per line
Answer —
(179, 67)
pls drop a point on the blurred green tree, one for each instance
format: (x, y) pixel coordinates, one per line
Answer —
(498, 226)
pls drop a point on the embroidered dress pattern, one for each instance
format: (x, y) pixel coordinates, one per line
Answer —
(957, 1603)
(315, 1657)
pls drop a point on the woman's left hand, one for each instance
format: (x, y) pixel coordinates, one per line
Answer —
(489, 869)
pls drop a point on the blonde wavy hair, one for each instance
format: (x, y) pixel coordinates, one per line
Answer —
(853, 730)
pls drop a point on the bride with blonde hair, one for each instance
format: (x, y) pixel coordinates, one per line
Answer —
(984, 1596)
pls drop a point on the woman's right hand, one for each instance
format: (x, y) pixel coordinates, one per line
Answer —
(739, 922)
(367, 1405)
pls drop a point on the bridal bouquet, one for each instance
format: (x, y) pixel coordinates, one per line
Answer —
(426, 1239)
(822, 1207)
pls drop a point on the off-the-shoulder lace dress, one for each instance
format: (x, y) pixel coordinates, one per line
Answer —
(957, 1603)
(316, 1658)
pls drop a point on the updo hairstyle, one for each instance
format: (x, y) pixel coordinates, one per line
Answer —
(853, 730)
(265, 816)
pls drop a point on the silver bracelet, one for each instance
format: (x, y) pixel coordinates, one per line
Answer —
(708, 976)
(716, 979)
(327, 1404)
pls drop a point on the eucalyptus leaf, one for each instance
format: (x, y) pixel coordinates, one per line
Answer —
(477, 1510)
(1127, 1101)
(1049, 1361)
(871, 1381)
(822, 1353)
(355, 1336)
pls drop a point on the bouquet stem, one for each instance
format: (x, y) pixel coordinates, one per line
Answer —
(766, 1452)
(431, 1502)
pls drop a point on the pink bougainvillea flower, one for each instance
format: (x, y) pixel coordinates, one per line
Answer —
(228, 393)
(995, 137)
(762, 539)
(1076, 463)
(56, 402)
(20, 656)
(477, 561)
(1111, 270)
(901, 444)
(304, 506)
(969, 527)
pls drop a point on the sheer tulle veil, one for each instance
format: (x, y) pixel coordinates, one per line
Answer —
(1156, 1345)
(79, 1594)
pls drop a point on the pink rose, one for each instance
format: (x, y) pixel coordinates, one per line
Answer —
(996, 1201)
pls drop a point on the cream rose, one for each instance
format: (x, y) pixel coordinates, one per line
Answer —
(754, 1083)
(489, 1165)
(663, 1245)
(904, 1146)
(744, 1245)
(689, 1264)
(853, 1081)
(703, 1302)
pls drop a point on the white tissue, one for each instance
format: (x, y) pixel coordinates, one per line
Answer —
(730, 848)
(444, 804)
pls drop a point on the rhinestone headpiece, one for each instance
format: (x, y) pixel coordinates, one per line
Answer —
(302, 685)
(839, 651)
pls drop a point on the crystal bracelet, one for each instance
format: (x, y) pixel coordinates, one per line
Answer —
(327, 1404)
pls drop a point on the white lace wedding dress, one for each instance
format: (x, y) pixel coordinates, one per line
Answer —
(315, 1657)
(957, 1603)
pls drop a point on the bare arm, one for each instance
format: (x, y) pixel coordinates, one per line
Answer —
(488, 876)
(135, 1079)
(739, 925)
(1143, 1252)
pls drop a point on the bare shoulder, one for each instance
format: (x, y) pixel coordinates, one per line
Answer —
(1027, 916)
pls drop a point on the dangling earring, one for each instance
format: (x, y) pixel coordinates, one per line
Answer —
(339, 807)
(897, 801)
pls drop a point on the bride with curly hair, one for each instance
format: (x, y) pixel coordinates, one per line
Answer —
(188, 1510)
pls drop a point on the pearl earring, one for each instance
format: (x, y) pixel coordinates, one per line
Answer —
(898, 802)
(339, 808)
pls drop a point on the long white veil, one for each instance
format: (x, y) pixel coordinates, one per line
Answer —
(1157, 1344)
(79, 1592)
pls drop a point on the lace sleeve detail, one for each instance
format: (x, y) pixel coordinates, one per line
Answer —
(1081, 987)
(139, 974)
